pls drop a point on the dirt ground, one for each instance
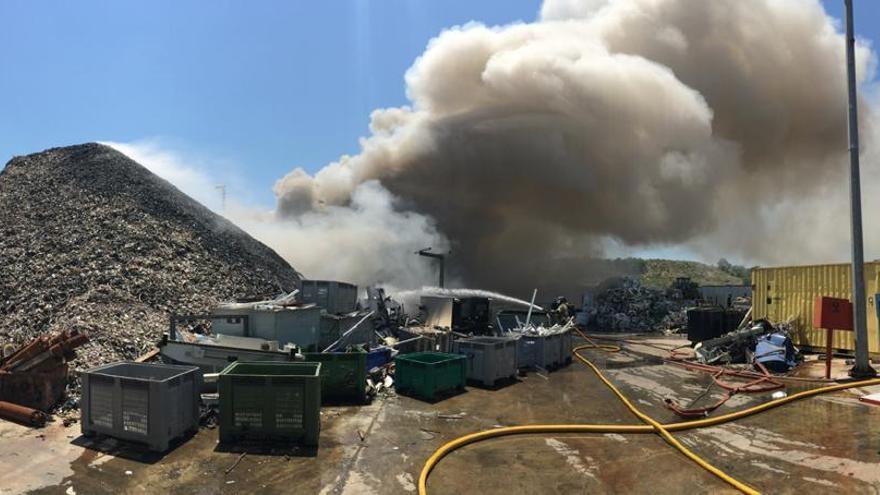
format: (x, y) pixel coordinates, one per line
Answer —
(824, 444)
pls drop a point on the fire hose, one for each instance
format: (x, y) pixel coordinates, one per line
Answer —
(730, 390)
(773, 382)
(664, 430)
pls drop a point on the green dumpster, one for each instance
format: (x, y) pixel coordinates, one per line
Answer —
(270, 401)
(425, 375)
(343, 376)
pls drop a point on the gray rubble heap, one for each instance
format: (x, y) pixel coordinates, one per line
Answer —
(627, 305)
(90, 239)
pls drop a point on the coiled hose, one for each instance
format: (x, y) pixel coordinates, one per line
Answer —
(652, 427)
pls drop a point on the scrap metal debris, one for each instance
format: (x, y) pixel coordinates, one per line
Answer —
(21, 414)
(94, 242)
(35, 375)
(627, 305)
(762, 342)
(235, 464)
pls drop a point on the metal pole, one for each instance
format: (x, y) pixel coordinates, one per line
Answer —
(862, 367)
(222, 189)
(442, 271)
(441, 257)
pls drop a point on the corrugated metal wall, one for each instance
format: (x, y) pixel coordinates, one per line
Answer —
(784, 292)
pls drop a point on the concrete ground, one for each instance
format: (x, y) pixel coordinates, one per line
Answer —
(824, 444)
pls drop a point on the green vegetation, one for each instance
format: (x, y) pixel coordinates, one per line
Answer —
(738, 271)
(661, 273)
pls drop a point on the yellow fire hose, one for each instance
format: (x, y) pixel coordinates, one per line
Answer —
(652, 427)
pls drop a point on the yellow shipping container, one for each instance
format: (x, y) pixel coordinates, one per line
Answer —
(788, 292)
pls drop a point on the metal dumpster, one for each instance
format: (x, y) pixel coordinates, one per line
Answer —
(343, 375)
(489, 359)
(426, 375)
(146, 403)
(270, 401)
(334, 296)
(566, 341)
(538, 351)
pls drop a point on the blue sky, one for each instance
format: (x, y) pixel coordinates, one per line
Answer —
(260, 87)
(251, 88)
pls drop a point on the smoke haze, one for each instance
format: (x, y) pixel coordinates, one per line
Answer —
(367, 242)
(530, 150)
(644, 122)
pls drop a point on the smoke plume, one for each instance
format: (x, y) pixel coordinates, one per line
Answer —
(368, 241)
(720, 125)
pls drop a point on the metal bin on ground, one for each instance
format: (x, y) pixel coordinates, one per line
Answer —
(426, 375)
(566, 340)
(343, 375)
(489, 359)
(145, 403)
(538, 351)
(263, 401)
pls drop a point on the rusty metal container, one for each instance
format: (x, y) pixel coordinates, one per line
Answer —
(789, 292)
(39, 390)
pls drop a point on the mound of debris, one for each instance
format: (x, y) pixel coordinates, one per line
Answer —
(624, 304)
(91, 240)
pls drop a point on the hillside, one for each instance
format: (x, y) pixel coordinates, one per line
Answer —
(90, 239)
(660, 273)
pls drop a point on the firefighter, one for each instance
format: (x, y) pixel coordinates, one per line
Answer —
(560, 310)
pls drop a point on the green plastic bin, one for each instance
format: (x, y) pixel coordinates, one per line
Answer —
(266, 401)
(343, 375)
(425, 375)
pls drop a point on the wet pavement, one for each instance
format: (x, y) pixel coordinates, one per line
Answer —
(824, 444)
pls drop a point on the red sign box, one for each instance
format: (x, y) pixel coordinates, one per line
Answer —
(832, 313)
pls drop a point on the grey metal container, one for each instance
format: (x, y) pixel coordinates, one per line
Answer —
(555, 352)
(334, 326)
(489, 359)
(146, 403)
(335, 297)
(538, 351)
(566, 342)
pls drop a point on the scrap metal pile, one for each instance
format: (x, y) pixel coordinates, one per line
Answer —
(33, 378)
(92, 242)
(627, 305)
(761, 342)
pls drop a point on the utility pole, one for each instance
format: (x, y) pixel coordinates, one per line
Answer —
(441, 257)
(222, 189)
(862, 367)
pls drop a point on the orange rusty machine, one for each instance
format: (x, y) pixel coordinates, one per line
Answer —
(33, 378)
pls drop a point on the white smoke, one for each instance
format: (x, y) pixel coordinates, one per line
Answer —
(366, 242)
(717, 125)
(370, 241)
(173, 167)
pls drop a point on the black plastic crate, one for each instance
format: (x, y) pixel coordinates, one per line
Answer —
(146, 403)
